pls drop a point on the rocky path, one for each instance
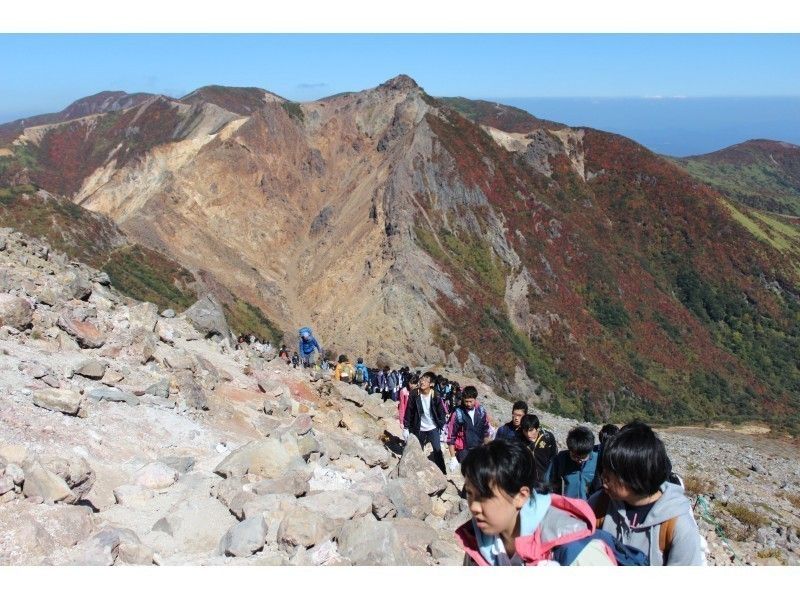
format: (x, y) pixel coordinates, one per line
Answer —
(133, 437)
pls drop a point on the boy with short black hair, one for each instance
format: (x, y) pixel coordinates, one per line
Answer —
(510, 431)
(468, 427)
(572, 472)
(424, 417)
(541, 443)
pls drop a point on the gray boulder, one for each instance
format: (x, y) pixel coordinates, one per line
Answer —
(39, 482)
(75, 322)
(158, 389)
(106, 393)
(191, 394)
(409, 499)
(269, 458)
(244, 538)
(58, 399)
(208, 318)
(15, 311)
(76, 473)
(366, 541)
(415, 466)
(338, 504)
(132, 495)
(91, 368)
(156, 476)
(294, 483)
(303, 527)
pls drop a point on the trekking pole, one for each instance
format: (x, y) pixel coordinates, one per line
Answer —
(705, 513)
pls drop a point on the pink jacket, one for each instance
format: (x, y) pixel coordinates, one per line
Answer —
(401, 404)
(548, 534)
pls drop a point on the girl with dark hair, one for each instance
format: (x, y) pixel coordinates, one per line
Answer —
(639, 506)
(514, 520)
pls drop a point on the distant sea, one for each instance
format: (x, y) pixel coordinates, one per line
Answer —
(675, 126)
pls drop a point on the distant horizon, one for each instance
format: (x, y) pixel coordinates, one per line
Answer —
(672, 126)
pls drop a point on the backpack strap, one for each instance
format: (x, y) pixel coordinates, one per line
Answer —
(600, 509)
(666, 534)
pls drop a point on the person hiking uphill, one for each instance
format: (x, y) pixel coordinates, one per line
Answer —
(344, 370)
(515, 521)
(468, 427)
(424, 417)
(510, 430)
(361, 376)
(572, 472)
(402, 402)
(307, 345)
(637, 504)
(540, 442)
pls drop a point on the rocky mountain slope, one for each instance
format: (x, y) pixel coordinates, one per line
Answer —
(133, 437)
(564, 265)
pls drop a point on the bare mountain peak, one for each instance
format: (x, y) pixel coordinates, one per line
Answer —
(400, 83)
(239, 100)
(105, 101)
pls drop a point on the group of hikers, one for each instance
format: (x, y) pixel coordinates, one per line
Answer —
(612, 502)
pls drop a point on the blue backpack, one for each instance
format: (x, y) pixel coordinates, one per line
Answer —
(625, 555)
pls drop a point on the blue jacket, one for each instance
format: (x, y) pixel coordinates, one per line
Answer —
(506, 432)
(570, 479)
(306, 346)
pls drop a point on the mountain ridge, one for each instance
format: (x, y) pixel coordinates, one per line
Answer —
(570, 265)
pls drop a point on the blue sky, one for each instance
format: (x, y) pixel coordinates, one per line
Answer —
(50, 71)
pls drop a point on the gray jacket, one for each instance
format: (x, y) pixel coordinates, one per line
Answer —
(685, 548)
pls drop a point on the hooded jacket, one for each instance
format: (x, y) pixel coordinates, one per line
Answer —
(685, 547)
(569, 478)
(307, 345)
(546, 522)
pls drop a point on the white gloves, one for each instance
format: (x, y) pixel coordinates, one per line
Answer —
(405, 434)
(453, 465)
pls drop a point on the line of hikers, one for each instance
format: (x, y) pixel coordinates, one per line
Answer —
(616, 502)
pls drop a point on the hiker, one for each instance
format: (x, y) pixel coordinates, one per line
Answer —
(393, 382)
(361, 374)
(572, 472)
(306, 347)
(606, 432)
(284, 354)
(402, 400)
(383, 383)
(639, 506)
(344, 371)
(540, 442)
(468, 427)
(295, 360)
(510, 430)
(514, 520)
(424, 417)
